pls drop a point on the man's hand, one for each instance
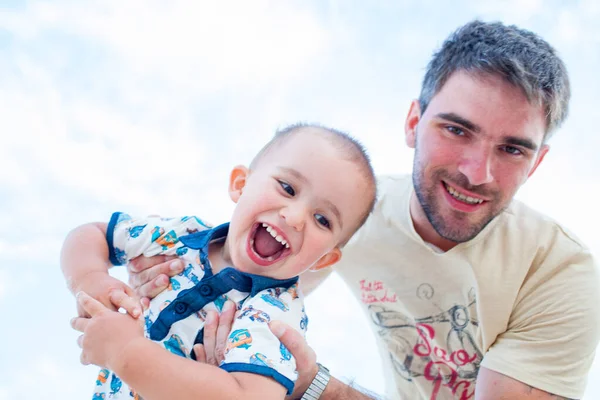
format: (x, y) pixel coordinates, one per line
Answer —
(148, 276)
(306, 359)
(106, 334)
(109, 291)
(217, 329)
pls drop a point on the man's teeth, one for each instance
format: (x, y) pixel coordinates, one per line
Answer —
(467, 199)
(277, 237)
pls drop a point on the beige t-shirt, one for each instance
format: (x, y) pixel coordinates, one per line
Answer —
(522, 299)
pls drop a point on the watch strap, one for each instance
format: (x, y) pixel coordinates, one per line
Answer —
(318, 385)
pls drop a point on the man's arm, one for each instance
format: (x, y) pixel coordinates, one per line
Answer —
(492, 385)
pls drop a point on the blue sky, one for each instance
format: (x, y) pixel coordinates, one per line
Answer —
(144, 106)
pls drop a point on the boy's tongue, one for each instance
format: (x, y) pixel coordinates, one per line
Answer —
(265, 244)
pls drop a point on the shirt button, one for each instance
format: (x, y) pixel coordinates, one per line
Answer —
(205, 290)
(180, 308)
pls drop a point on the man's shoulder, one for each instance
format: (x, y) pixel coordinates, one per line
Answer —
(538, 227)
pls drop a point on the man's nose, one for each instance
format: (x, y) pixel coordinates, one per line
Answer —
(477, 167)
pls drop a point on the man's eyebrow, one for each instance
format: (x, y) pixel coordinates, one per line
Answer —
(328, 203)
(460, 120)
(528, 144)
(512, 140)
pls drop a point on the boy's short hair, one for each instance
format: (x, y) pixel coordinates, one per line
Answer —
(349, 147)
(518, 56)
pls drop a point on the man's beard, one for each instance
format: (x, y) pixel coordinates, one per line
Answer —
(429, 202)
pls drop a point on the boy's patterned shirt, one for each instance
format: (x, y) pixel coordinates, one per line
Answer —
(176, 317)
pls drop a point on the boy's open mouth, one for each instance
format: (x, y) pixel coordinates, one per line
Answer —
(266, 245)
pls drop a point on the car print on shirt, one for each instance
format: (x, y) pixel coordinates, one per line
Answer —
(261, 359)
(175, 345)
(165, 240)
(254, 315)
(274, 301)
(239, 338)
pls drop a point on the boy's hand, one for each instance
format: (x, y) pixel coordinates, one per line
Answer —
(109, 291)
(106, 334)
(149, 276)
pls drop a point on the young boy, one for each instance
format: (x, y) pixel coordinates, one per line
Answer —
(305, 194)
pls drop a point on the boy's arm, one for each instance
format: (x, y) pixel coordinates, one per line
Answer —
(84, 263)
(115, 341)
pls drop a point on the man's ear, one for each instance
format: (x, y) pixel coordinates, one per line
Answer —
(543, 151)
(410, 125)
(237, 181)
(328, 259)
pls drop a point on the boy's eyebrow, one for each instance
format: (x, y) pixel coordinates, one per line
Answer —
(303, 179)
(517, 141)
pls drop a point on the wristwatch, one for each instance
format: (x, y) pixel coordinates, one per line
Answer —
(317, 386)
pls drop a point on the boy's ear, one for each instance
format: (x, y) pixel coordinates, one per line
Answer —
(328, 259)
(237, 181)
(410, 125)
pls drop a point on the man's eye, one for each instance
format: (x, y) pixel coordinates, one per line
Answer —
(512, 150)
(455, 130)
(288, 188)
(322, 220)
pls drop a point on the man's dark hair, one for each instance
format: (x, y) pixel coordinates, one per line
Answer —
(519, 56)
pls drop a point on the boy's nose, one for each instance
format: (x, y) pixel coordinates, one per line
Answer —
(294, 216)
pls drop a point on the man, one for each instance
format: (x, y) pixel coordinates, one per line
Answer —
(470, 293)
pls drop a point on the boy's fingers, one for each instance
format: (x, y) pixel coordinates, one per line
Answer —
(121, 300)
(79, 324)
(89, 304)
(223, 330)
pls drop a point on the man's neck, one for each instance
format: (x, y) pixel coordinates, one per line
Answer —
(424, 228)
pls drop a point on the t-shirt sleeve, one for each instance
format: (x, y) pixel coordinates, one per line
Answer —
(554, 328)
(251, 347)
(129, 237)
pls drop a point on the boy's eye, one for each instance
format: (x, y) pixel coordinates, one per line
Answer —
(322, 220)
(288, 188)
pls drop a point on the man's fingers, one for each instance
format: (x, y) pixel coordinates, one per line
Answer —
(121, 300)
(210, 337)
(168, 268)
(154, 287)
(200, 353)
(223, 330)
(89, 304)
(306, 358)
(142, 263)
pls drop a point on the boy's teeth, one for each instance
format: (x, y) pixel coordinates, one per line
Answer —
(277, 237)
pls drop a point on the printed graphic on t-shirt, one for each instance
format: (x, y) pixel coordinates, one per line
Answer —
(439, 349)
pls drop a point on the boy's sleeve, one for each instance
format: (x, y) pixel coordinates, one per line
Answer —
(252, 347)
(129, 238)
